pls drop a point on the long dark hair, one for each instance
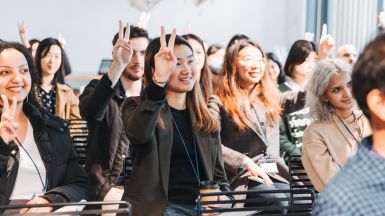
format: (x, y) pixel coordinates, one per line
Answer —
(42, 51)
(195, 101)
(298, 53)
(205, 78)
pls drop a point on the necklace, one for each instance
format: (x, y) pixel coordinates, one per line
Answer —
(357, 127)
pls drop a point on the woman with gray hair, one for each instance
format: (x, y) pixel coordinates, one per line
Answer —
(337, 129)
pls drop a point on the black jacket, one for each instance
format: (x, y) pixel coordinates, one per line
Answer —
(107, 142)
(152, 143)
(67, 181)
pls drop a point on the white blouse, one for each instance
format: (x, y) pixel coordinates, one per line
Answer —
(31, 176)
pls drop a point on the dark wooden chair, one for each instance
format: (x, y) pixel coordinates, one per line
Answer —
(79, 134)
(298, 176)
(298, 202)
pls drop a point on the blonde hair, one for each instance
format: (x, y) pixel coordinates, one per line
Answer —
(323, 72)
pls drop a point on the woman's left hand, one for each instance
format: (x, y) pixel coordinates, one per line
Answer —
(37, 200)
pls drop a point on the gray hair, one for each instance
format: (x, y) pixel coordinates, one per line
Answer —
(323, 72)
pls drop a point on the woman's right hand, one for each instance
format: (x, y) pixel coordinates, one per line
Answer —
(165, 59)
(257, 174)
(7, 122)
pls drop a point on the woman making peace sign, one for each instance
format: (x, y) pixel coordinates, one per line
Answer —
(175, 140)
(38, 163)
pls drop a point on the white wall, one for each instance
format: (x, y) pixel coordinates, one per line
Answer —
(89, 25)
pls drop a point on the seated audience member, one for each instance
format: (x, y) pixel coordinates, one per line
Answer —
(248, 107)
(337, 129)
(274, 67)
(348, 53)
(176, 142)
(100, 104)
(38, 163)
(299, 67)
(203, 71)
(52, 94)
(215, 55)
(359, 188)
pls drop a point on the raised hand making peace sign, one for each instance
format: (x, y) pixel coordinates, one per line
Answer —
(165, 60)
(122, 54)
(7, 123)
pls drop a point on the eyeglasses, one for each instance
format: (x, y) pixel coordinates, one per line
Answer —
(249, 60)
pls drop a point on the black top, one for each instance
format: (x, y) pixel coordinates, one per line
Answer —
(183, 182)
(48, 99)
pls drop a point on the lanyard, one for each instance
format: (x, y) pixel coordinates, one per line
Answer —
(196, 167)
(350, 132)
(262, 125)
(37, 169)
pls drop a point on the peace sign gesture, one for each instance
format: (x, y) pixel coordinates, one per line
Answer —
(165, 60)
(123, 47)
(122, 54)
(7, 123)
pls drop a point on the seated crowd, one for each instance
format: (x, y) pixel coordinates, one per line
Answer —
(185, 115)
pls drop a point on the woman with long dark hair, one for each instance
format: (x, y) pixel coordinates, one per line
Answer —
(175, 140)
(203, 71)
(53, 94)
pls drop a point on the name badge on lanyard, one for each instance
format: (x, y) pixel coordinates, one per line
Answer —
(269, 165)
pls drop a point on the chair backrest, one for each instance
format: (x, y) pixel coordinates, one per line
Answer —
(296, 202)
(79, 133)
(127, 168)
(75, 208)
(298, 176)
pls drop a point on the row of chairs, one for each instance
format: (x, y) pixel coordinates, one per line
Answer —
(74, 208)
(299, 180)
(297, 202)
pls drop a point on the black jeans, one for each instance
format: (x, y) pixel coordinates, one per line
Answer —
(276, 186)
(177, 209)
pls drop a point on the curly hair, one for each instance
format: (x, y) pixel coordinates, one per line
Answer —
(32, 70)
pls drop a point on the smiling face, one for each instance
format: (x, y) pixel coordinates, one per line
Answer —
(51, 62)
(199, 54)
(339, 94)
(15, 79)
(182, 80)
(273, 69)
(250, 66)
